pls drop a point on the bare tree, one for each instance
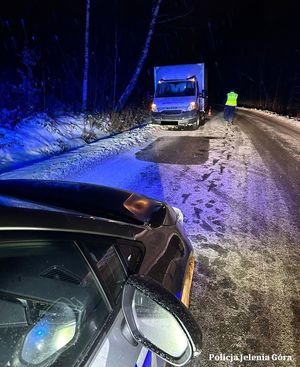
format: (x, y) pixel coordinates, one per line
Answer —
(29, 59)
(86, 57)
(167, 19)
(116, 59)
(130, 86)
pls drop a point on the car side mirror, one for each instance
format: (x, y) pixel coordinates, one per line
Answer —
(204, 93)
(48, 337)
(160, 322)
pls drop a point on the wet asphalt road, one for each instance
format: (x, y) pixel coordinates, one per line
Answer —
(282, 158)
(239, 190)
(246, 286)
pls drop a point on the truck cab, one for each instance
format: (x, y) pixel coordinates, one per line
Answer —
(180, 97)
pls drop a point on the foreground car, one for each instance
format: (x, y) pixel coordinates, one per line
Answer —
(91, 276)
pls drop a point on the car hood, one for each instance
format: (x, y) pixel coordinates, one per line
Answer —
(93, 200)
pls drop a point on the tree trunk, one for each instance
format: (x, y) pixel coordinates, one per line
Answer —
(275, 100)
(130, 86)
(115, 67)
(44, 89)
(86, 58)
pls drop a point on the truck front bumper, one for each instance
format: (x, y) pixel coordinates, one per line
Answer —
(185, 118)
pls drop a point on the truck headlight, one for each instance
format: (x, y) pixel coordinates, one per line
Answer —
(192, 106)
(154, 107)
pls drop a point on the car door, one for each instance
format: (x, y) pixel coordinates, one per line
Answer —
(119, 348)
(61, 302)
(53, 308)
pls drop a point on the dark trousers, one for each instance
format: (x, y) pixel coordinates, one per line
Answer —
(229, 113)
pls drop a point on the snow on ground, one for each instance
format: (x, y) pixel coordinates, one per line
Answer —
(286, 120)
(37, 137)
(245, 287)
(245, 292)
(41, 136)
(82, 158)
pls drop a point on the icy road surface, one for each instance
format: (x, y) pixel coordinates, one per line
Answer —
(239, 191)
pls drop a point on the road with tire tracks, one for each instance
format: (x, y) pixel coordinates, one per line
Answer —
(238, 188)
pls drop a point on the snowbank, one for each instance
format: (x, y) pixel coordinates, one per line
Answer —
(290, 121)
(40, 136)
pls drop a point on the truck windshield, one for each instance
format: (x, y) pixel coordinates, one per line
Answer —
(175, 89)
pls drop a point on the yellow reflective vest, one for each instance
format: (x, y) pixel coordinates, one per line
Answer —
(231, 99)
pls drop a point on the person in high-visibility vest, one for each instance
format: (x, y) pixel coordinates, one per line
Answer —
(231, 103)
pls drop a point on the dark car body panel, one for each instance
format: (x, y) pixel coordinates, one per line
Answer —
(32, 210)
(89, 199)
(98, 210)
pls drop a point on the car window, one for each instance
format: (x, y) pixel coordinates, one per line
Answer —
(110, 268)
(131, 255)
(119, 258)
(51, 305)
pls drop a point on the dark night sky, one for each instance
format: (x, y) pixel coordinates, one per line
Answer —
(253, 46)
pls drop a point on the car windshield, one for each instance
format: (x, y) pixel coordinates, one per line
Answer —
(175, 89)
(52, 306)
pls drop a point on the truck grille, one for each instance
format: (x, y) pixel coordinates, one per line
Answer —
(169, 122)
(171, 112)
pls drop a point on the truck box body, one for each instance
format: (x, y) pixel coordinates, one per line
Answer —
(178, 96)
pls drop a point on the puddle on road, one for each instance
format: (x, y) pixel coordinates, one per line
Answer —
(177, 150)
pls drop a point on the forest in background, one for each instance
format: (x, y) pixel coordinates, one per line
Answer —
(43, 54)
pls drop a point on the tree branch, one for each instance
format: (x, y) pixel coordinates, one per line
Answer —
(174, 18)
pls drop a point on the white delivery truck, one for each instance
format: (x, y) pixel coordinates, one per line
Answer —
(180, 95)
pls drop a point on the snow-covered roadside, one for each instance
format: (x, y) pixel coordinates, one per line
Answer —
(83, 158)
(41, 136)
(37, 137)
(287, 121)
